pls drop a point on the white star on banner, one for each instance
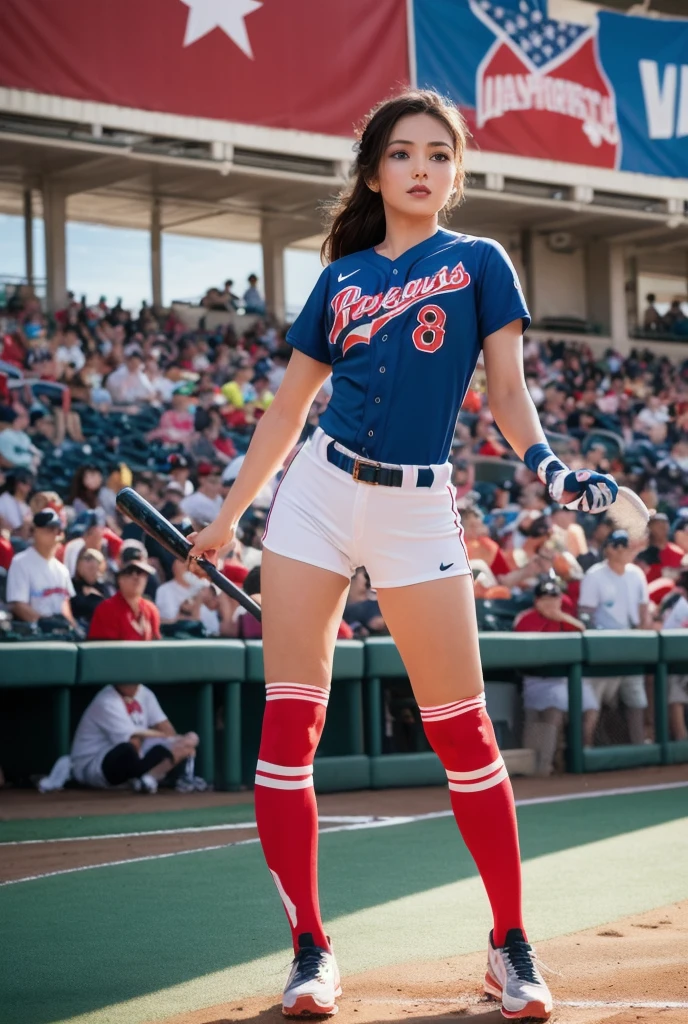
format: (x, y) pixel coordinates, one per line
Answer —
(228, 15)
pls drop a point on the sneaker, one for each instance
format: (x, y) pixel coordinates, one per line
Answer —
(146, 784)
(313, 983)
(513, 978)
(193, 785)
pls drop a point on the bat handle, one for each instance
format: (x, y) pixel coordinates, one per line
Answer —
(214, 574)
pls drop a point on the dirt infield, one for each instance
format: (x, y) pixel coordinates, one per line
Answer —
(637, 960)
(29, 860)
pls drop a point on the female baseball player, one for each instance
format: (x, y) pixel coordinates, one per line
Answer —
(398, 317)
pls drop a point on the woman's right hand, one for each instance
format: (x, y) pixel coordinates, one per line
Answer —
(209, 541)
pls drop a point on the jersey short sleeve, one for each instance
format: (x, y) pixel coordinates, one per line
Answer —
(309, 331)
(499, 296)
(154, 714)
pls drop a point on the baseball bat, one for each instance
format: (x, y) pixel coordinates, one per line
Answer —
(167, 535)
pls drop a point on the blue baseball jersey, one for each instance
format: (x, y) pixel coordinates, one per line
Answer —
(403, 338)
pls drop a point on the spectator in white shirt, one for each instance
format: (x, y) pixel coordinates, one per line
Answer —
(186, 598)
(16, 447)
(205, 503)
(128, 384)
(87, 530)
(15, 514)
(124, 736)
(70, 352)
(614, 594)
(38, 586)
(676, 617)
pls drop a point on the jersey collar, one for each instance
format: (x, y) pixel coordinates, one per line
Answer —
(438, 241)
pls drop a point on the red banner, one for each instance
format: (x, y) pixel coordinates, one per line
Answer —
(313, 65)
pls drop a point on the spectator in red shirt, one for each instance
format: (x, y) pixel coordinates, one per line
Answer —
(546, 699)
(127, 615)
(661, 552)
(6, 552)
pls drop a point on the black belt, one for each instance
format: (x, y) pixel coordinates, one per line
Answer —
(373, 472)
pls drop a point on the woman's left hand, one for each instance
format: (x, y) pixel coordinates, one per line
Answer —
(583, 490)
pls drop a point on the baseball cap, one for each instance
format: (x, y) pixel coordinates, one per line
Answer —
(660, 517)
(232, 471)
(48, 519)
(177, 461)
(133, 350)
(235, 573)
(617, 539)
(547, 588)
(132, 551)
(86, 520)
(175, 487)
(7, 414)
(207, 469)
(134, 565)
(186, 387)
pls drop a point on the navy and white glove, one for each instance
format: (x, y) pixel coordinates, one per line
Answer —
(594, 492)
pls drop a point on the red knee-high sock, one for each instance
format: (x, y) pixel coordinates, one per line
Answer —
(286, 811)
(462, 736)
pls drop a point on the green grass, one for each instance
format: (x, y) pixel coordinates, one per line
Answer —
(80, 942)
(107, 824)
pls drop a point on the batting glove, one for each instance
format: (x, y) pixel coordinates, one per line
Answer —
(594, 492)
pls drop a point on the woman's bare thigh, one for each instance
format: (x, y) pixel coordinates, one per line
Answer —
(435, 629)
(302, 609)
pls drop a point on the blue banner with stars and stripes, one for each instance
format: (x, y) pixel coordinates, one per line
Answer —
(612, 94)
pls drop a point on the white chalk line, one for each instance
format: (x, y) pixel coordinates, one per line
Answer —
(352, 827)
(234, 826)
(581, 1004)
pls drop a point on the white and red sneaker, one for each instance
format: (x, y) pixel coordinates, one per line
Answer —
(313, 983)
(513, 978)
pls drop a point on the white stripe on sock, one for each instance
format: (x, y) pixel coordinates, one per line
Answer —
(279, 769)
(293, 696)
(454, 704)
(479, 773)
(298, 687)
(264, 780)
(475, 787)
(453, 714)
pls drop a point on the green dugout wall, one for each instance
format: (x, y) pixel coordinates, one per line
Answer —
(215, 687)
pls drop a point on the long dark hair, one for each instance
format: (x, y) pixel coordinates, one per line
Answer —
(357, 214)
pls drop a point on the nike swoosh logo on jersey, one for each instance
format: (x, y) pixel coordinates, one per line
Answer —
(343, 277)
(443, 567)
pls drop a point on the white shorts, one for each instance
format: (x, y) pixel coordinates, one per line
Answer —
(678, 689)
(631, 690)
(542, 692)
(402, 535)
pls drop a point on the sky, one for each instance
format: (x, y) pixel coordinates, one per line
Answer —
(116, 262)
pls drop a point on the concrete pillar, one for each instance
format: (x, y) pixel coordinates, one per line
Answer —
(54, 221)
(273, 272)
(156, 254)
(606, 291)
(28, 236)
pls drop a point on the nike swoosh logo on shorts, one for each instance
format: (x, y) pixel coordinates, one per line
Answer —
(443, 567)
(343, 277)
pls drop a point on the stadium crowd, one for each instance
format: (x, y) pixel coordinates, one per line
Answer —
(98, 398)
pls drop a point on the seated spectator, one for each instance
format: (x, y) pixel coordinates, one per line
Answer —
(70, 353)
(598, 529)
(614, 595)
(90, 587)
(128, 384)
(180, 470)
(239, 391)
(362, 611)
(674, 615)
(16, 448)
(119, 477)
(89, 530)
(231, 300)
(661, 552)
(38, 586)
(546, 699)
(133, 550)
(6, 552)
(253, 300)
(652, 321)
(204, 504)
(674, 319)
(15, 514)
(127, 615)
(85, 489)
(125, 737)
(176, 424)
(187, 598)
(208, 445)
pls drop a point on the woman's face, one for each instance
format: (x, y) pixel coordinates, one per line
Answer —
(93, 480)
(420, 156)
(89, 570)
